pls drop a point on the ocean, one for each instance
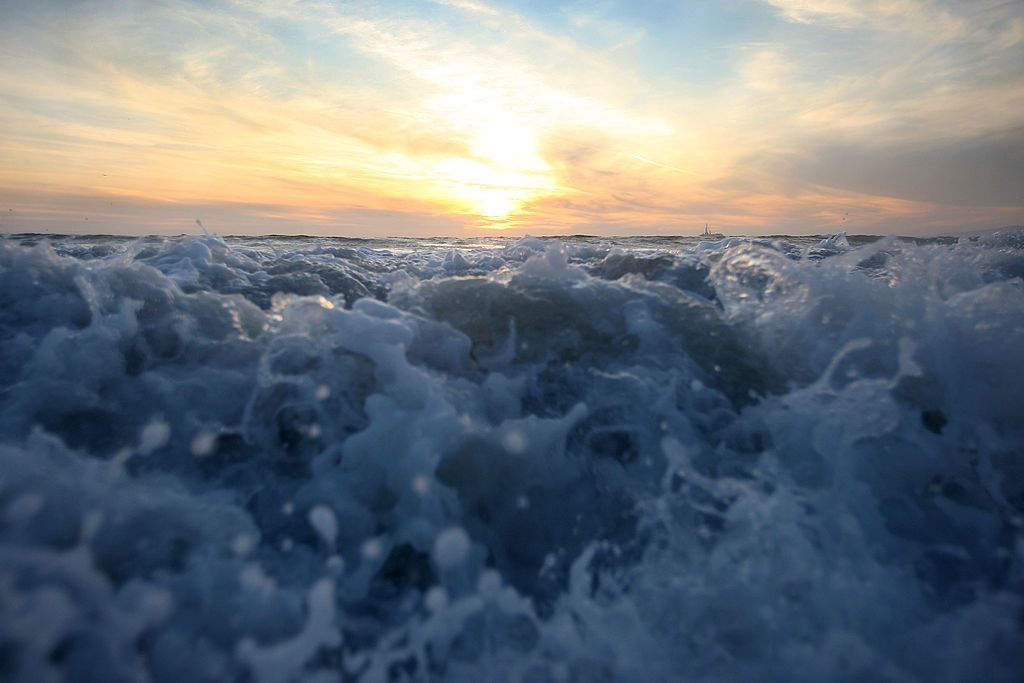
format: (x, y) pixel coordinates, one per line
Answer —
(578, 459)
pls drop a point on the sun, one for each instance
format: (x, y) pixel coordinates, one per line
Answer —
(497, 203)
(502, 169)
(489, 188)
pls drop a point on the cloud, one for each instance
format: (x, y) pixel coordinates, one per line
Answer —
(973, 172)
(914, 16)
(101, 214)
(514, 117)
(766, 70)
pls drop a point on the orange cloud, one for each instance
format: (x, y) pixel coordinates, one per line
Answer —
(466, 110)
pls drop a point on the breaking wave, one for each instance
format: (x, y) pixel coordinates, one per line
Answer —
(283, 459)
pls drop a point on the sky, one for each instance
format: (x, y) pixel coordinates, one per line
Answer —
(466, 117)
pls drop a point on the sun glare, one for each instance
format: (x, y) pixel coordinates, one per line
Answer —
(496, 204)
(489, 190)
(503, 169)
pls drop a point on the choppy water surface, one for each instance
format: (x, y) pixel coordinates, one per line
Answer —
(654, 459)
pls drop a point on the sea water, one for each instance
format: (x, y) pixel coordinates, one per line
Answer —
(652, 459)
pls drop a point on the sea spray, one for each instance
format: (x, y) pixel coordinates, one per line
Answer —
(534, 460)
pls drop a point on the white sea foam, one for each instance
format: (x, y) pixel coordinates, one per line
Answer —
(777, 459)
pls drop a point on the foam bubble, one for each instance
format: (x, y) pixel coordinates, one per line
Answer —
(436, 599)
(154, 436)
(372, 549)
(420, 484)
(515, 442)
(326, 524)
(243, 544)
(204, 444)
(451, 547)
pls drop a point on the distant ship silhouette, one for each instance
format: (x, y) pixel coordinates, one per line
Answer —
(712, 235)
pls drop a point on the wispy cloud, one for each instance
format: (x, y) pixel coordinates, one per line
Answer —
(498, 115)
(916, 16)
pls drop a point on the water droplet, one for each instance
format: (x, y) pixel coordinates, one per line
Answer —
(515, 442)
(204, 444)
(154, 436)
(451, 547)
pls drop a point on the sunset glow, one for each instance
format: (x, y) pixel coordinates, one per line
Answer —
(458, 117)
